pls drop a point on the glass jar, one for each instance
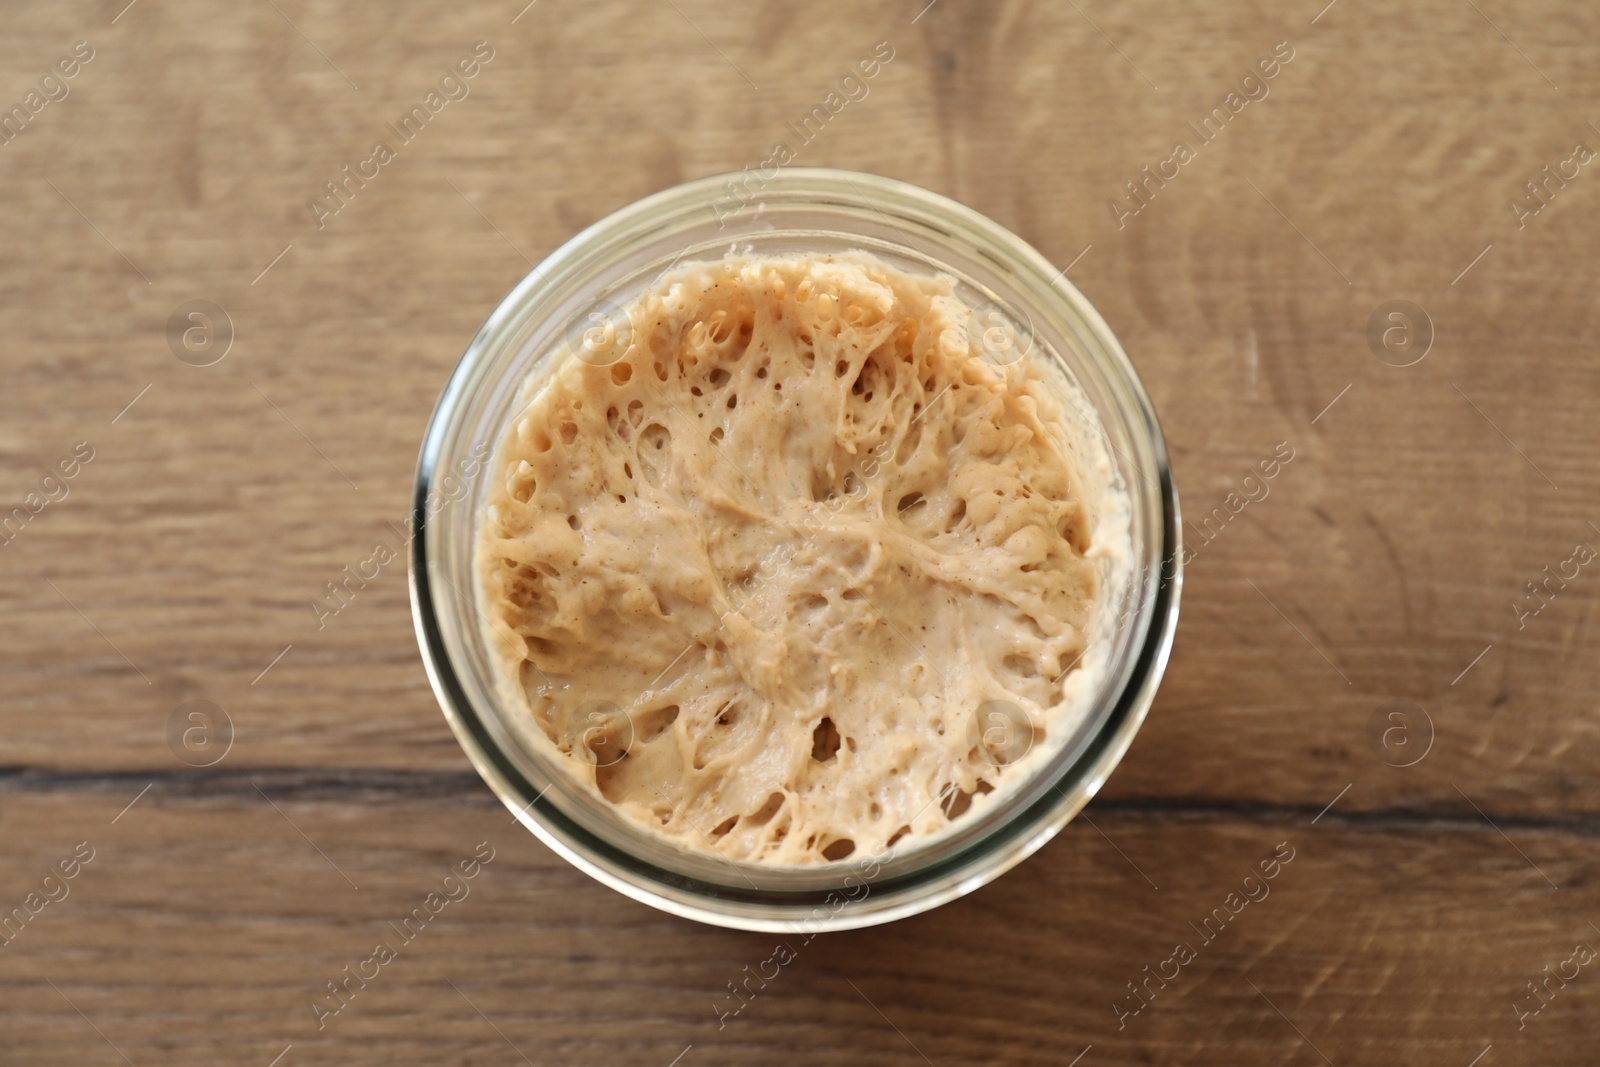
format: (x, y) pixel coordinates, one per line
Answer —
(605, 267)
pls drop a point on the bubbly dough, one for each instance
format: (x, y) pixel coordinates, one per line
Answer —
(777, 581)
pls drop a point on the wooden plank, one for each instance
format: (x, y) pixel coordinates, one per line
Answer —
(204, 928)
(1397, 543)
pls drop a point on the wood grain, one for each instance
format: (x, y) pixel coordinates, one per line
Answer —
(1383, 567)
(205, 927)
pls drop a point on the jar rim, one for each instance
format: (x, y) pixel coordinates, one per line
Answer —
(919, 888)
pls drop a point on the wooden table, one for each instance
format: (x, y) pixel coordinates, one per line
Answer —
(1381, 577)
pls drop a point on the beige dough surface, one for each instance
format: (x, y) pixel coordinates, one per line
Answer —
(798, 574)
